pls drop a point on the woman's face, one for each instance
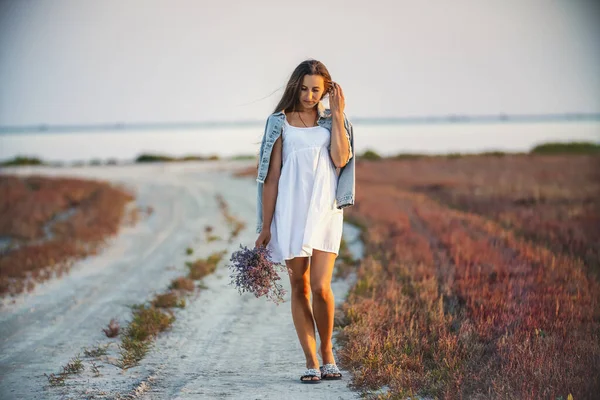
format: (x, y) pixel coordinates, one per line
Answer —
(311, 90)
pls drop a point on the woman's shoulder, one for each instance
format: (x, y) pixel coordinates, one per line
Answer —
(273, 120)
(277, 114)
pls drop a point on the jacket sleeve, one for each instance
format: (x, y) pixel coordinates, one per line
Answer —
(262, 147)
(349, 132)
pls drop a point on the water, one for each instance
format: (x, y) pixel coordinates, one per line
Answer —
(390, 139)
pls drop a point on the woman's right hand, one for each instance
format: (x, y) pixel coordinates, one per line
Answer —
(263, 239)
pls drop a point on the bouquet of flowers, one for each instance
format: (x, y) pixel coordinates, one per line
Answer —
(253, 271)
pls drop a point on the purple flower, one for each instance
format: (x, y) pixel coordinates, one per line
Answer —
(253, 271)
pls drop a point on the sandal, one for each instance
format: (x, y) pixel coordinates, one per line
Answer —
(310, 373)
(330, 372)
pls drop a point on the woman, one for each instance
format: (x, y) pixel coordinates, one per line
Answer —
(301, 217)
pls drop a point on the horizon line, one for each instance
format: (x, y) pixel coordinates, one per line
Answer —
(449, 118)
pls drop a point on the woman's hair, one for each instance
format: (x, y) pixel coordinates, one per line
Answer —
(289, 101)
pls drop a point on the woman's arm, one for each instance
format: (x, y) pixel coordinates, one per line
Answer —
(271, 185)
(340, 142)
(340, 137)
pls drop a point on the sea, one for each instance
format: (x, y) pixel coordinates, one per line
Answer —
(122, 144)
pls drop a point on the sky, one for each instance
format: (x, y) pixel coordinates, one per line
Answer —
(93, 62)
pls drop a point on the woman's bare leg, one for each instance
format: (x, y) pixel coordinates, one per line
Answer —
(301, 310)
(323, 301)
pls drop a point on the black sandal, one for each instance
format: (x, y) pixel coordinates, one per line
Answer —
(311, 373)
(330, 372)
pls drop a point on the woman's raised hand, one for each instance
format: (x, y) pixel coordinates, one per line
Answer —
(336, 98)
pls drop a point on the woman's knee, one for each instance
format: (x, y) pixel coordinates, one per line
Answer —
(321, 291)
(299, 276)
(300, 285)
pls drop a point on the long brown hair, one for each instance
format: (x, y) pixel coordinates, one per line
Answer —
(290, 99)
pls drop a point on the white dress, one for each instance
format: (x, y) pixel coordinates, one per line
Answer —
(306, 215)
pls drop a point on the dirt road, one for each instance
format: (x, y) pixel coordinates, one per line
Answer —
(222, 345)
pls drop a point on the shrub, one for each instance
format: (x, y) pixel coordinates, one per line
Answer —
(20, 160)
(370, 155)
(567, 148)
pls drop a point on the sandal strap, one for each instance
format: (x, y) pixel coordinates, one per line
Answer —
(330, 369)
(312, 372)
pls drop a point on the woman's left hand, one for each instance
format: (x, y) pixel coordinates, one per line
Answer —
(336, 98)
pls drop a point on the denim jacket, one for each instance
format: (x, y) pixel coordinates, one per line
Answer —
(345, 192)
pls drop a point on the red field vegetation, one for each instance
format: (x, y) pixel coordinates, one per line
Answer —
(46, 223)
(552, 200)
(479, 279)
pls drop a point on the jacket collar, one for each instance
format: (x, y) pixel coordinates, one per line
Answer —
(323, 112)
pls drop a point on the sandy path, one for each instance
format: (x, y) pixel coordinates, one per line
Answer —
(222, 345)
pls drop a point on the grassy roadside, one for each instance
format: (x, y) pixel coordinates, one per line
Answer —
(478, 277)
(450, 305)
(147, 321)
(151, 318)
(48, 223)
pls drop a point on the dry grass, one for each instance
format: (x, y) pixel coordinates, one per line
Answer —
(51, 222)
(147, 320)
(551, 200)
(345, 263)
(235, 224)
(454, 303)
(182, 283)
(210, 237)
(113, 328)
(168, 300)
(96, 352)
(73, 367)
(147, 323)
(204, 266)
